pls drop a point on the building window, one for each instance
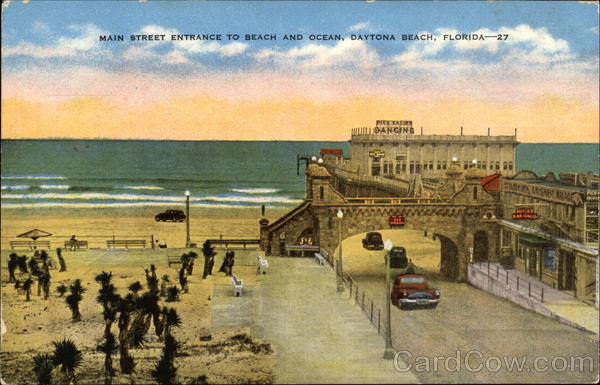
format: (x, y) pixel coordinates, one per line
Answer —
(484, 165)
(418, 170)
(466, 165)
(505, 165)
(510, 165)
(444, 165)
(403, 167)
(431, 165)
(321, 192)
(550, 259)
(412, 166)
(475, 193)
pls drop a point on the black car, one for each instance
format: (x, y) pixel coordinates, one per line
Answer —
(170, 216)
(373, 241)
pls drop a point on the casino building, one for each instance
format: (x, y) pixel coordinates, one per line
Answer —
(392, 149)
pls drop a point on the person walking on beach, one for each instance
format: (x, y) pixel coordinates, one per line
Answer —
(222, 268)
(209, 253)
(229, 265)
(61, 260)
(183, 281)
(13, 263)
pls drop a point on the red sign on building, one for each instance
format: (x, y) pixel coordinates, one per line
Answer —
(332, 151)
(525, 213)
(396, 220)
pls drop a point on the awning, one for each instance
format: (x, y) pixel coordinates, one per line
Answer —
(532, 240)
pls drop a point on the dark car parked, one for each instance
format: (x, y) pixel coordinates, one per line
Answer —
(412, 290)
(170, 216)
(373, 241)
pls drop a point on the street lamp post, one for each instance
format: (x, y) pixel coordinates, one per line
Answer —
(340, 280)
(187, 219)
(388, 353)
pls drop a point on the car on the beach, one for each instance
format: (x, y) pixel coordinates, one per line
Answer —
(373, 241)
(412, 290)
(170, 216)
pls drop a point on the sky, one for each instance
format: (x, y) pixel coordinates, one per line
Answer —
(61, 81)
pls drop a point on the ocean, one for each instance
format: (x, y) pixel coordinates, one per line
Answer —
(111, 173)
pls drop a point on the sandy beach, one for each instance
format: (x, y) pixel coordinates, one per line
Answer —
(33, 326)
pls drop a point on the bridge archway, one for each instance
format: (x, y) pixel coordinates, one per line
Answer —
(480, 246)
(434, 254)
(449, 265)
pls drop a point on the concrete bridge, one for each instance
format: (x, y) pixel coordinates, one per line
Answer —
(460, 213)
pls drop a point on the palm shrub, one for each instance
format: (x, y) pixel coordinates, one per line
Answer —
(192, 258)
(108, 347)
(108, 298)
(165, 372)
(173, 294)
(103, 278)
(125, 307)
(62, 289)
(74, 298)
(68, 357)
(170, 320)
(135, 288)
(43, 365)
(27, 288)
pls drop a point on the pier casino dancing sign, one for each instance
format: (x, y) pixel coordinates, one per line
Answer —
(394, 127)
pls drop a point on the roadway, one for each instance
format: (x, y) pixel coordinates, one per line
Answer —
(471, 322)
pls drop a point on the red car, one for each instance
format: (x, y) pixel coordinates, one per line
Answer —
(412, 290)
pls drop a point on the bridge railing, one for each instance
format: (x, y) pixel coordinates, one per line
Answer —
(511, 279)
(394, 201)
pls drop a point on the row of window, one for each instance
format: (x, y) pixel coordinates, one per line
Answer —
(387, 167)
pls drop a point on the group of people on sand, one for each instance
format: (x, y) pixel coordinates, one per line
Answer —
(209, 260)
(37, 266)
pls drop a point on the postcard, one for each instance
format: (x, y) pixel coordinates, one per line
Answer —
(202, 192)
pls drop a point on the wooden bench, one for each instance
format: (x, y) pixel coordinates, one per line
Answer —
(126, 243)
(237, 286)
(227, 242)
(263, 265)
(76, 245)
(320, 259)
(30, 245)
(173, 260)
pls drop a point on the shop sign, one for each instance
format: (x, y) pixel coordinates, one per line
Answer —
(376, 154)
(396, 220)
(525, 213)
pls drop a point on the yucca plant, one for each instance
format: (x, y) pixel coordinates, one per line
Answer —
(165, 372)
(125, 307)
(43, 365)
(170, 320)
(74, 298)
(22, 264)
(135, 288)
(173, 294)
(104, 278)
(27, 288)
(68, 357)
(108, 347)
(62, 289)
(192, 259)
